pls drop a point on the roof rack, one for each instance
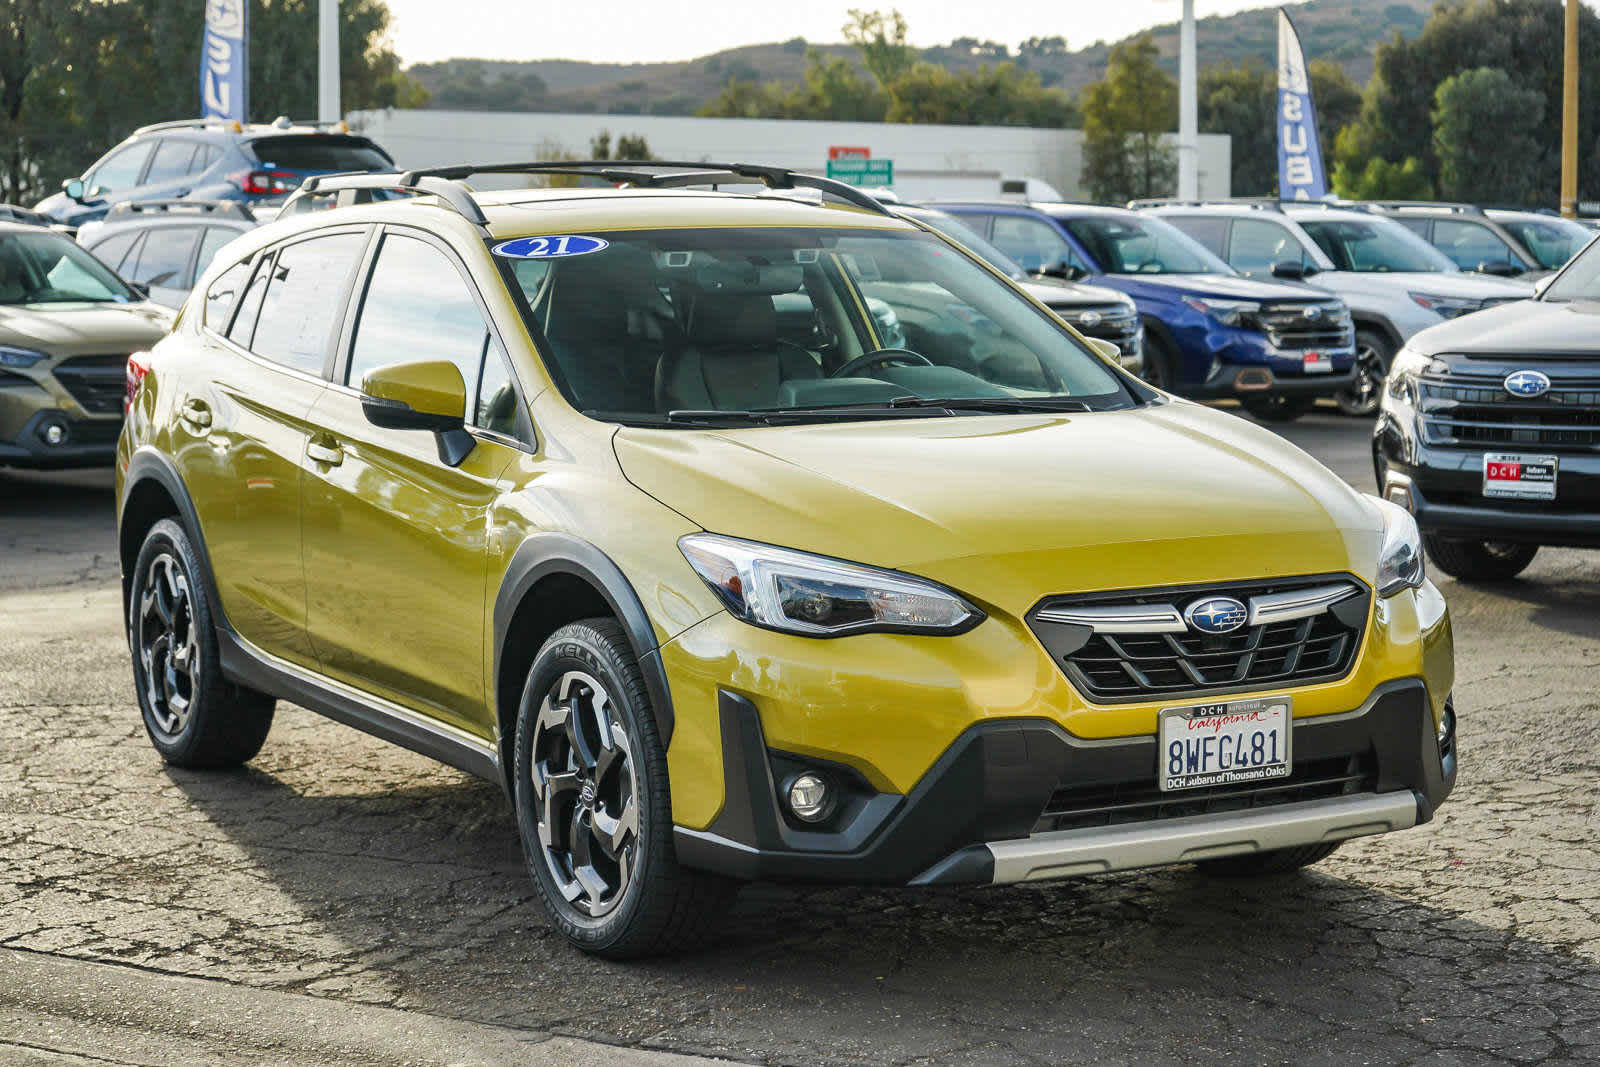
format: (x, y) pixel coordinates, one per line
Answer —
(18, 213)
(1437, 205)
(176, 205)
(190, 124)
(448, 182)
(1259, 203)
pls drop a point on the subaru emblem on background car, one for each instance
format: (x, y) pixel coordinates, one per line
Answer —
(1527, 383)
(1089, 318)
(1313, 312)
(1216, 615)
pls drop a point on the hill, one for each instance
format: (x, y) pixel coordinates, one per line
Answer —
(1345, 31)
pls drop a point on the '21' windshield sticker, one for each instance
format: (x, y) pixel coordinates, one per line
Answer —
(557, 247)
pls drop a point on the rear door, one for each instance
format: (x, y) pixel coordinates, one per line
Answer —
(242, 427)
(396, 541)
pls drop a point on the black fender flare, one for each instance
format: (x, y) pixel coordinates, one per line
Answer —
(543, 554)
(148, 465)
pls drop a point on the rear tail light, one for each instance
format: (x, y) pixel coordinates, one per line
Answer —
(138, 367)
(265, 182)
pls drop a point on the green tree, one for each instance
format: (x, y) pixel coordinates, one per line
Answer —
(880, 37)
(1004, 95)
(1124, 119)
(1483, 125)
(1379, 179)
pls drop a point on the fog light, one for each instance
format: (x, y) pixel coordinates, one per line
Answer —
(810, 797)
(54, 433)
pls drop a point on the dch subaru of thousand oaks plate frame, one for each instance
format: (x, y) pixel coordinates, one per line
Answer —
(1226, 743)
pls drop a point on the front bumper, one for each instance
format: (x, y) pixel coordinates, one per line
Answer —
(1232, 380)
(89, 442)
(976, 815)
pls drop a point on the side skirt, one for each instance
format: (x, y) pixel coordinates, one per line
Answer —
(247, 665)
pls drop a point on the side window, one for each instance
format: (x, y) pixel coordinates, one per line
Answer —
(1210, 232)
(1258, 244)
(497, 395)
(171, 160)
(1470, 243)
(417, 306)
(112, 250)
(223, 294)
(204, 156)
(164, 259)
(1031, 242)
(211, 243)
(120, 169)
(304, 299)
(242, 332)
(1415, 225)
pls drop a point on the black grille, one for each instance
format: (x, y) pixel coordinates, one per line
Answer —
(1111, 667)
(1141, 800)
(1294, 327)
(1474, 411)
(1112, 322)
(97, 383)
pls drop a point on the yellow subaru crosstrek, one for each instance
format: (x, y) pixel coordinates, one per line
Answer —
(755, 536)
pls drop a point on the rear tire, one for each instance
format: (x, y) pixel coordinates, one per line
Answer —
(195, 717)
(1269, 407)
(1278, 861)
(1374, 353)
(1160, 364)
(594, 806)
(1479, 561)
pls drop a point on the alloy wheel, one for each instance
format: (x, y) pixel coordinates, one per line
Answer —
(169, 646)
(585, 794)
(1362, 396)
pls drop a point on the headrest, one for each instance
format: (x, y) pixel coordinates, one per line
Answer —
(592, 293)
(734, 319)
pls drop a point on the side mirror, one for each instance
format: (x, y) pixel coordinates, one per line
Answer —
(141, 288)
(1293, 271)
(1500, 268)
(1106, 350)
(425, 395)
(73, 187)
(1063, 270)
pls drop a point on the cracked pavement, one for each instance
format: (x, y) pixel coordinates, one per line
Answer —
(359, 884)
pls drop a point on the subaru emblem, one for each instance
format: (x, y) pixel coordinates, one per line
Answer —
(1313, 312)
(1089, 318)
(1216, 615)
(1527, 383)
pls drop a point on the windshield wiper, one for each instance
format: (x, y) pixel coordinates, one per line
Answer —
(990, 403)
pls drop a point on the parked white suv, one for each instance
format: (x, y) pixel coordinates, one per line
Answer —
(1393, 281)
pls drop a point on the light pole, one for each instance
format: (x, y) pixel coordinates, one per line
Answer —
(328, 61)
(1188, 110)
(1569, 118)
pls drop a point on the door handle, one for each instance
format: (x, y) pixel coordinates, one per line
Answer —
(327, 454)
(196, 413)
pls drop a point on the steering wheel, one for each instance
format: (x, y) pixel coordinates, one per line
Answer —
(881, 355)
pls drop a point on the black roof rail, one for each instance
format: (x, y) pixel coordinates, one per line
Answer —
(1437, 205)
(447, 183)
(178, 205)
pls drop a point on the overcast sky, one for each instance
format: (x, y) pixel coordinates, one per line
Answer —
(657, 30)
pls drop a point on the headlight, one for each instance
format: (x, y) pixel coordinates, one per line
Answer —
(1400, 564)
(1447, 306)
(815, 596)
(1227, 312)
(19, 357)
(1409, 365)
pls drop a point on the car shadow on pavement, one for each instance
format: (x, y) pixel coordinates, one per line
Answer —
(416, 896)
(1566, 600)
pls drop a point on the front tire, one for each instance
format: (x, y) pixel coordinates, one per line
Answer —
(593, 803)
(194, 716)
(1260, 864)
(1479, 561)
(1276, 407)
(1160, 363)
(1374, 353)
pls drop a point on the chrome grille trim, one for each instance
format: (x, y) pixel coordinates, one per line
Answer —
(1134, 619)
(1297, 603)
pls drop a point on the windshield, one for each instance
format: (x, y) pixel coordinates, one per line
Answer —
(1579, 281)
(683, 327)
(1375, 246)
(1552, 241)
(1128, 244)
(47, 268)
(970, 239)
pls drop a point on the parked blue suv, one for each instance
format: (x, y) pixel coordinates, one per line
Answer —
(1208, 331)
(211, 159)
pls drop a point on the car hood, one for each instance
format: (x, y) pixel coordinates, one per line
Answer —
(116, 327)
(1533, 327)
(1009, 508)
(1439, 283)
(1228, 287)
(1071, 294)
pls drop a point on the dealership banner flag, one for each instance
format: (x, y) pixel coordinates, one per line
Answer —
(1300, 174)
(225, 61)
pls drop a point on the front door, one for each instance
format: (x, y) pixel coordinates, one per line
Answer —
(396, 541)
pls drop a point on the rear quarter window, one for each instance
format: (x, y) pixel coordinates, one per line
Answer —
(224, 294)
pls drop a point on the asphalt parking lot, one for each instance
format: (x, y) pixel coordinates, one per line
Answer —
(346, 901)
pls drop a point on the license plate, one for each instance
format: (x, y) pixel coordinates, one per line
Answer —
(1516, 476)
(1224, 744)
(1318, 363)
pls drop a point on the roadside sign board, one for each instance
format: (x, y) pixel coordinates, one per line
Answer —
(845, 151)
(858, 171)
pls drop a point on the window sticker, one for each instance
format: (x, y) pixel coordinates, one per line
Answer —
(558, 246)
